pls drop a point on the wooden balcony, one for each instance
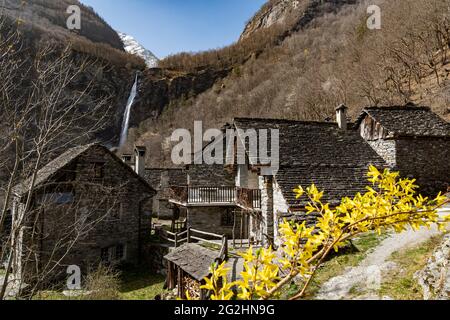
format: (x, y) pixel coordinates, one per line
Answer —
(216, 196)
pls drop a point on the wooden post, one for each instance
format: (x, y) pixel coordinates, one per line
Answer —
(176, 240)
(180, 283)
(242, 221)
(189, 235)
(225, 245)
(234, 228)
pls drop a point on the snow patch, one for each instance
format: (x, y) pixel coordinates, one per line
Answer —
(132, 46)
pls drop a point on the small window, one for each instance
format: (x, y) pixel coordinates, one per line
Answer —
(227, 219)
(105, 255)
(57, 198)
(113, 254)
(64, 198)
(117, 212)
(120, 252)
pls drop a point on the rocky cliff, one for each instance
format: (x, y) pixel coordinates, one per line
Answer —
(160, 88)
(294, 14)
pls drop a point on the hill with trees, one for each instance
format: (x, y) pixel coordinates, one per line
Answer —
(311, 58)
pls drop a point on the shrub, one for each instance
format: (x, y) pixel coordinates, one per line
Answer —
(103, 284)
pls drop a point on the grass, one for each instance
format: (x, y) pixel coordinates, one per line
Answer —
(400, 284)
(135, 284)
(337, 264)
(141, 284)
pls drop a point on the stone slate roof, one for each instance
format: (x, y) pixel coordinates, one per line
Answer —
(193, 259)
(337, 181)
(318, 152)
(59, 163)
(408, 121)
(177, 177)
(46, 172)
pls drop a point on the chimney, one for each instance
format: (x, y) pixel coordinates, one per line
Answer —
(139, 153)
(341, 116)
(126, 157)
(165, 179)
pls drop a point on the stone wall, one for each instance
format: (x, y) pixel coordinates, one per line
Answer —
(210, 176)
(435, 277)
(267, 209)
(107, 210)
(280, 207)
(427, 160)
(153, 257)
(385, 149)
(209, 219)
(162, 208)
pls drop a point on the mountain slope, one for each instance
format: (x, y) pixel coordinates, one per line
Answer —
(309, 61)
(111, 72)
(274, 11)
(132, 46)
(51, 16)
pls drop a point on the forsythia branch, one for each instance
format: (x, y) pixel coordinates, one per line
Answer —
(390, 203)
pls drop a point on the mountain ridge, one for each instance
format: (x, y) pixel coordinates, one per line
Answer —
(132, 46)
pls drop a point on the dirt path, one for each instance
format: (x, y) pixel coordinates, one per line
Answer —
(366, 277)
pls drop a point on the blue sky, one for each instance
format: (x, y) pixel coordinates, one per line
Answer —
(170, 26)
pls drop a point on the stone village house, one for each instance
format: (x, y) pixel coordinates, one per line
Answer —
(333, 156)
(241, 203)
(412, 140)
(87, 207)
(105, 204)
(161, 180)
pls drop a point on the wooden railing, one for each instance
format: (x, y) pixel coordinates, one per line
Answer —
(192, 235)
(250, 198)
(178, 226)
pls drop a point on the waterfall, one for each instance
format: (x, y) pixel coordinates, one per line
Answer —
(126, 115)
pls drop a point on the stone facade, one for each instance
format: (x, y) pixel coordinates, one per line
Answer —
(211, 175)
(280, 208)
(334, 157)
(412, 140)
(267, 209)
(219, 220)
(425, 159)
(162, 179)
(93, 208)
(386, 149)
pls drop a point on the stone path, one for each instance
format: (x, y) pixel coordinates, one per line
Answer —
(367, 276)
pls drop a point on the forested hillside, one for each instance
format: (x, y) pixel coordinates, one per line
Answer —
(295, 59)
(40, 25)
(317, 55)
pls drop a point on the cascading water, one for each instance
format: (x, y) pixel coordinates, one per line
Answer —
(126, 116)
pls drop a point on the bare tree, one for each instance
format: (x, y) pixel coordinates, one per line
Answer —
(46, 106)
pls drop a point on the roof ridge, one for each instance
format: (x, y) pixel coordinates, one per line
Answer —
(159, 168)
(274, 120)
(401, 108)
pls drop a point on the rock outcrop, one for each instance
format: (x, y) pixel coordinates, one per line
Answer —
(435, 277)
(296, 14)
(161, 87)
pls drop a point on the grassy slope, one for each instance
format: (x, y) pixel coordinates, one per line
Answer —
(135, 284)
(400, 284)
(141, 284)
(337, 264)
